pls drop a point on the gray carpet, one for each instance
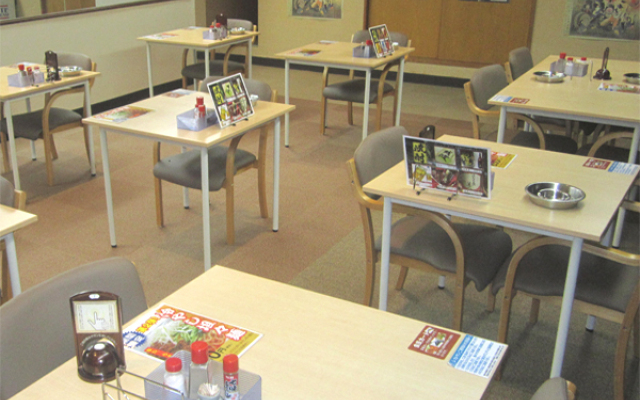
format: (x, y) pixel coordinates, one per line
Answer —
(319, 246)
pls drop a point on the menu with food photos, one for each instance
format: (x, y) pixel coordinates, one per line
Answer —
(161, 332)
(449, 167)
(381, 40)
(231, 99)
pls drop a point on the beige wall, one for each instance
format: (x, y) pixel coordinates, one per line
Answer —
(109, 38)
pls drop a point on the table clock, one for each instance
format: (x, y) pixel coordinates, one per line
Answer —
(97, 327)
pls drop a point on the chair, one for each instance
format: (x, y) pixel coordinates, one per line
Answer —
(423, 240)
(42, 124)
(224, 163)
(352, 90)
(607, 287)
(10, 197)
(520, 61)
(36, 333)
(224, 67)
(488, 81)
(555, 389)
(601, 149)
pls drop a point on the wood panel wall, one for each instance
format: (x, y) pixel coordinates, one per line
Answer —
(457, 32)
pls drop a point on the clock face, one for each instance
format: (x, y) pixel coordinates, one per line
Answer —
(96, 316)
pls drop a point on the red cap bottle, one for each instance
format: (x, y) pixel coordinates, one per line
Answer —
(563, 55)
(230, 368)
(173, 364)
(199, 352)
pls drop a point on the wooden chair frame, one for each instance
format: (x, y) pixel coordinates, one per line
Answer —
(381, 95)
(628, 319)
(50, 151)
(259, 164)
(367, 204)
(225, 62)
(607, 138)
(20, 202)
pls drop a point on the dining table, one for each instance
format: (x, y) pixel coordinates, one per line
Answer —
(313, 346)
(12, 94)
(11, 220)
(155, 119)
(192, 38)
(509, 206)
(339, 55)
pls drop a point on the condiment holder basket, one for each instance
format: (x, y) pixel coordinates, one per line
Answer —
(187, 120)
(364, 51)
(19, 80)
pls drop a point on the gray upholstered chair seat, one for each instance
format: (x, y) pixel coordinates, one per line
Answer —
(29, 125)
(184, 168)
(557, 143)
(552, 389)
(353, 91)
(196, 71)
(484, 247)
(603, 282)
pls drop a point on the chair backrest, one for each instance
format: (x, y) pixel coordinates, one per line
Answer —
(396, 37)
(262, 89)
(379, 152)
(36, 333)
(7, 193)
(520, 61)
(486, 82)
(80, 60)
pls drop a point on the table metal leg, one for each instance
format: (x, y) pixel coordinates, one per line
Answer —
(567, 305)
(276, 174)
(206, 228)
(365, 117)
(501, 125)
(185, 190)
(386, 250)
(250, 55)
(107, 185)
(206, 65)
(286, 101)
(87, 105)
(149, 69)
(12, 145)
(12, 257)
(31, 142)
(399, 94)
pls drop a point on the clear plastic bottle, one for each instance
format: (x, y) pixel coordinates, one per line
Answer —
(199, 368)
(568, 67)
(230, 369)
(173, 376)
(560, 64)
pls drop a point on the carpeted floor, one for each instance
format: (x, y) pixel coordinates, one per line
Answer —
(319, 246)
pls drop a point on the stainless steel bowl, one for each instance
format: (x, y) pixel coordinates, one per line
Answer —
(549, 77)
(237, 31)
(632, 77)
(70, 70)
(554, 195)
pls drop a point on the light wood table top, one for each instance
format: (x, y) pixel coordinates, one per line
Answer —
(509, 203)
(577, 96)
(340, 54)
(10, 92)
(192, 37)
(161, 123)
(314, 346)
(12, 219)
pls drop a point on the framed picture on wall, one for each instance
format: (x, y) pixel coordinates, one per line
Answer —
(326, 9)
(603, 19)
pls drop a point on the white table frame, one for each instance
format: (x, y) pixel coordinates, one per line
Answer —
(45, 88)
(206, 47)
(339, 65)
(23, 219)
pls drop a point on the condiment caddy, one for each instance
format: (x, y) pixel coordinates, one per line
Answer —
(26, 76)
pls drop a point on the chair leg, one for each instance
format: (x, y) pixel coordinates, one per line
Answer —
(636, 335)
(54, 150)
(5, 153)
(262, 173)
(402, 277)
(503, 328)
(350, 113)
(323, 114)
(395, 109)
(159, 210)
(231, 235)
(534, 311)
(458, 307)
(48, 155)
(184, 82)
(491, 301)
(370, 277)
(86, 143)
(7, 293)
(379, 115)
(621, 352)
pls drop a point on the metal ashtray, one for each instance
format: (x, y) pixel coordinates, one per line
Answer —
(548, 76)
(554, 195)
(237, 31)
(70, 70)
(632, 77)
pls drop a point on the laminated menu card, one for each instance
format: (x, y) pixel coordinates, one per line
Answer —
(164, 330)
(454, 168)
(231, 99)
(381, 40)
